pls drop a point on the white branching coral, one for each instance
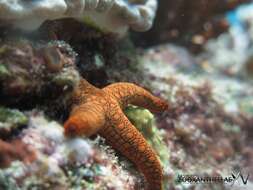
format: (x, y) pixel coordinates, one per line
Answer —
(109, 15)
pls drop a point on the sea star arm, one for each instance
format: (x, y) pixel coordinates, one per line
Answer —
(128, 93)
(124, 137)
(85, 120)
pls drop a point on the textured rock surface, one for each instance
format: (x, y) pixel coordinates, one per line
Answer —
(204, 108)
(60, 162)
(30, 70)
(15, 150)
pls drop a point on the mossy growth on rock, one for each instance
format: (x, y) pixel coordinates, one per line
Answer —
(4, 73)
(11, 119)
(6, 182)
(29, 70)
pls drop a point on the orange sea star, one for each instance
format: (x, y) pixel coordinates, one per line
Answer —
(99, 111)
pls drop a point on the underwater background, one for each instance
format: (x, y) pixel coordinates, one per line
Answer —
(196, 55)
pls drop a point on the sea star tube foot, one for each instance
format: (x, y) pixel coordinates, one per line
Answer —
(99, 111)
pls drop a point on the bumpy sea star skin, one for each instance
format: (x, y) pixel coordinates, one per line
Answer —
(99, 111)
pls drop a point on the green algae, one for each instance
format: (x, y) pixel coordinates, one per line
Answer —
(4, 73)
(80, 177)
(99, 61)
(246, 105)
(6, 182)
(11, 119)
(228, 128)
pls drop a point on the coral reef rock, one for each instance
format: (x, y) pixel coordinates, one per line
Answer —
(61, 163)
(15, 150)
(206, 106)
(29, 70)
